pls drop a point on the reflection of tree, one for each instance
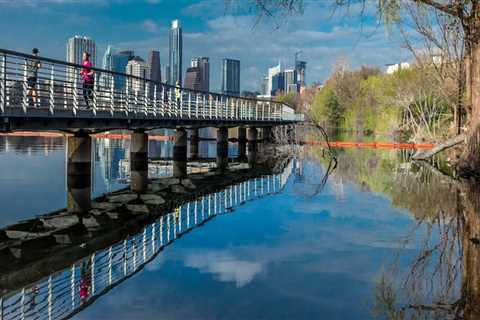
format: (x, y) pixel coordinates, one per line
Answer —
(443, 280)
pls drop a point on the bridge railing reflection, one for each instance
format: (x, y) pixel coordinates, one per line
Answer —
(66, 292)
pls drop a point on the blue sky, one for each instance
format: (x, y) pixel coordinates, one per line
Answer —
(210, 29)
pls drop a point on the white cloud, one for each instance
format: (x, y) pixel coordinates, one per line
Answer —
(150, 25)
(225, 266)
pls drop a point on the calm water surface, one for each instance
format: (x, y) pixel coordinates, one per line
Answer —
(378, 240)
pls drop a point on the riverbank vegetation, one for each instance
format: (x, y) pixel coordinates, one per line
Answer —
(411, 104)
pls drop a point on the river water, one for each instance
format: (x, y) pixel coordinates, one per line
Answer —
(376, 237)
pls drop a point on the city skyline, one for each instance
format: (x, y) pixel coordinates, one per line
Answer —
(208, 30)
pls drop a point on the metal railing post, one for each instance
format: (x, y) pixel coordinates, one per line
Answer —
(95, 93)
(162, 104)
(112, 96)
(189, 104)
(155, 104)
(197, 105)
(75, 96)
(52, 91)
(25, 88)
(146, 98)
(127, 96)
(3, 93)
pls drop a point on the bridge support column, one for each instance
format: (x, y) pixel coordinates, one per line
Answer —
(139, 161)
(79, 171)
(180, 153)
(267, 134)
(194, 141)
(242, 143)
(252, 146)
(222, 149)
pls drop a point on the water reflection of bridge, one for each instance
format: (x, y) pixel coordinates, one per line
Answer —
(67, 291)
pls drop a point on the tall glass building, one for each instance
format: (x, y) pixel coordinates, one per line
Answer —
(77, 45)
(175, 53)
(117, 62)
(231, 77)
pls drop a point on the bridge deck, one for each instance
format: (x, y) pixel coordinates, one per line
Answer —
(56, 99)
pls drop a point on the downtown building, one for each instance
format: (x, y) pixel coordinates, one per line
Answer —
(203, 63)
(175, 54)
(193, 78)
(77, 45)
(139, 68)
(231, 77)
(116, 62)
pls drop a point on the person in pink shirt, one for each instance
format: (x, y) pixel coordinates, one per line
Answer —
(87, 75)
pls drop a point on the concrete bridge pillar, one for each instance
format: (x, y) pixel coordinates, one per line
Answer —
(180, 153)
(267, 134)
(139, 161)
(252, 146)
(194, 141)
(79, 171)
(242, 143)
(222, 148)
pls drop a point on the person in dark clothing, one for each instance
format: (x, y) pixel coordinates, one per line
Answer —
(87, 79)
(32, 66)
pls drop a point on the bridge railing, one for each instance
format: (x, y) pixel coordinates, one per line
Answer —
(57, 86)
(68, 291)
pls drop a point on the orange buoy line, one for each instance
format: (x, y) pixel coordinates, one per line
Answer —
(383, 145)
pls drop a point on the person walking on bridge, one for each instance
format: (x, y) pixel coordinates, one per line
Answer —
(87, 79)
(31, 68)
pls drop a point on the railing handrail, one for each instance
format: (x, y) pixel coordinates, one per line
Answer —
(114, 73)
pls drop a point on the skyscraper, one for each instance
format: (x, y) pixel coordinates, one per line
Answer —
(300, 67)
(290, 81)
(77, 45)
(154, 64)
(138, 68)
(116, 62)
(204, 65)
(231, 77)
(193, 78)
(278, 83)
(175, 53)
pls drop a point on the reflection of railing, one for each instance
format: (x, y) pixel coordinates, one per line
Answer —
(66, 292)
(59, 87)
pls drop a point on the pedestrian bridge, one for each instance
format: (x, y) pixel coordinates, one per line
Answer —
(118, 101)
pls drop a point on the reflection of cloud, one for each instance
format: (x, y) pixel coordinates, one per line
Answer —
(225, 266)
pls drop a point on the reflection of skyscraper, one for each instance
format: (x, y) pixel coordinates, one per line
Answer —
(77, 45)
(175, 53)
(110, 153)
(231, 77)
(204, 65)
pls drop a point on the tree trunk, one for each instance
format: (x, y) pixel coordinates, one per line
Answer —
(470, 164)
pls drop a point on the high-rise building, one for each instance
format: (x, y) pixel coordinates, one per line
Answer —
(167, 74)
(77, 45)
(139, 68)
(278, 83)
(154, 64)
(300, 67)
(116, 62)
(204, 65)
(175, 53)
(193, 78)
(290, 77)
(272, 72)
(231, 77)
